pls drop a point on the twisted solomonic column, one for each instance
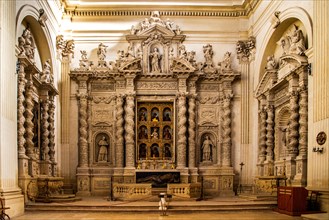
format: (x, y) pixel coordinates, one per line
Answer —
(191, 130)
(45, 131)
(20, 112)
(303, 111)
(83, 126)
(29, 125)
(119, 130)
(181, 148)
(51, 129)
(262, 135)
(293, 124)
(129, 127)
(226, 126)
(270, 133)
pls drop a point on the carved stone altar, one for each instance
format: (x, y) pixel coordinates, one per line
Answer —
(155, 108)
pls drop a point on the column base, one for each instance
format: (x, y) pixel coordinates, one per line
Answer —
(301, 171)
(15, 200)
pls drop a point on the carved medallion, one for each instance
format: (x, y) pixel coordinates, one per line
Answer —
(321, 138)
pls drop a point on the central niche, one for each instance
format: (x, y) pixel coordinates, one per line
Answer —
(155, 133)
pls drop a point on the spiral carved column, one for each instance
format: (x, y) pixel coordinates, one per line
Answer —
(20, 112)
(262, 135)
(119, 131)
(181, 148)
(294, 125)
(303, 111)
(129, 127)
(51, 129)
(191, 130)
(83, 126)
(227, 142)
(45, 131)
(29, 119)
(270, 133)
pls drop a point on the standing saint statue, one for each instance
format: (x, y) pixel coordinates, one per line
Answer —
(102, 154)
(155, 61)
(206, 148)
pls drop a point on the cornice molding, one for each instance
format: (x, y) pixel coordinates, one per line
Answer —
(196, 11)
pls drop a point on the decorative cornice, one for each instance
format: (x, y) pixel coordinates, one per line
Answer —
(173, 10)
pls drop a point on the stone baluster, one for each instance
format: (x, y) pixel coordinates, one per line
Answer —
(262, 135)
(51, 129)
(270, 133)
(119, 131)
(181, 148)
(293, 124)
(191, 130)
(129, 128)
(83, 143)
(303, 103)
(20, 111)
(226, 127)
(45, 129)
(29, 125)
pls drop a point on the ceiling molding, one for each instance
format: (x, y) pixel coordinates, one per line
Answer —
(81, 11)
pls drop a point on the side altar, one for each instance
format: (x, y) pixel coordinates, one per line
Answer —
(154, 110)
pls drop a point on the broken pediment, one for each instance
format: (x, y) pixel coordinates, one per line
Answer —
(182, 66)
(290, 63)
(131, 66)
(267, 82)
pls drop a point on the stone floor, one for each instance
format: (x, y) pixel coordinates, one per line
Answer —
(69, 215)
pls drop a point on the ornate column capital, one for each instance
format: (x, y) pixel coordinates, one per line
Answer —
(246, 49)
(65, 48)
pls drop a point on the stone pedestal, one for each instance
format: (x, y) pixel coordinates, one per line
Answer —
(193, 175)
(290, 169)
(33, 167)
(301, 171)
(129, 175)
(260, 169)
(83, 182)
(268, 168)
(46, 168)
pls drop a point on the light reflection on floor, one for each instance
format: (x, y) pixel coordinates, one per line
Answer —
(248, 215)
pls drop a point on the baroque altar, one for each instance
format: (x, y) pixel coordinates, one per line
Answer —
(154, 109)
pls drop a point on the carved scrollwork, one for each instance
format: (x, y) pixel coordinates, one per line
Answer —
(245, 49)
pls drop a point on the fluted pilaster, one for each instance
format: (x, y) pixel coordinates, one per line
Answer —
(129, 127)
(119, 131)
(191, 130)
(181, 148)
(83, 126)
(45, 129)
(262, 135)
(270, 133)
(303, 113)
(226, 127)
(29, 119)
(51, 129)
(293, 124)
(20, 111)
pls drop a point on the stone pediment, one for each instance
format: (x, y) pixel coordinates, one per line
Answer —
(181, 66)
(290, 63)
(131, 66)
(156, 28)
(267, 82)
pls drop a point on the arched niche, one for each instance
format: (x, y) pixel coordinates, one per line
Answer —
(27, 17)
(270, 45)
(282, 121)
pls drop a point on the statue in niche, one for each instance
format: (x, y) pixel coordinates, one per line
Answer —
(167, 152)
(155, 57)
(142, 133)
(103, 146)
(285, 135)
(297, 42)
(155, 150)
(142, 151)
(207, 149)
(155, 133)
(166, 133)
(155, 115)
(101, 51)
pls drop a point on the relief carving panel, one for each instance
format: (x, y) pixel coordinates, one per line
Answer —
(156, 85)
(208, 114)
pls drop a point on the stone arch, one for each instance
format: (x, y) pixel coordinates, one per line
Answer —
(28, 15)
(287, 18)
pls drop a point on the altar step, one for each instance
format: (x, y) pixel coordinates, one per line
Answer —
(102, 205)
